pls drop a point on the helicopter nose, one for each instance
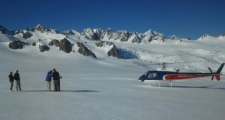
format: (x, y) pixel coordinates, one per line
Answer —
(141, 78)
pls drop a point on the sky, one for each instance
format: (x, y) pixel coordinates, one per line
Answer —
(190, 18)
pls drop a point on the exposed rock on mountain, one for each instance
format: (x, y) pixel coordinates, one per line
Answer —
(84, 50)
(152, 35)
(187, 38)
(149, 38)
(34, 44)
(160, 38)
(99, 33)
(107, 34)
(65, 45)
(70, 32)
(121, 35)
(110, 43)
(17, 31)
(27, 35)
(16, 44)
(42, 29)
(54, 42)
(43, 48)
(174, 37)
(89, 34)
(113, 52)
(222, 35)
(204, 36)
(134, 38)
(3, 30)
(99, 43)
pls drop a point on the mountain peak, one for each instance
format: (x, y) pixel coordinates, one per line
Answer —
(3, 29)
(109, 29)
(150, 32)
(222, 35)
(70, 32)
(39, 27)
(205, 36)
(174, 37)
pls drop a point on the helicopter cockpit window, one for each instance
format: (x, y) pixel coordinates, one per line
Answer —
(145, 73)
(151, 75)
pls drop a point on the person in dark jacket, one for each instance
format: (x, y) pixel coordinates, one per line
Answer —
(48, 80)
(59, 81)
(17, 78)
(11, 79)
(56, 77)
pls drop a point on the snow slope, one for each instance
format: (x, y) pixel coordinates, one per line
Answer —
(107, 87)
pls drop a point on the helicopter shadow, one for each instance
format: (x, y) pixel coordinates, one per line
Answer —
(200, 87)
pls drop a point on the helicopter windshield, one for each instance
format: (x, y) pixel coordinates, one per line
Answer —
(146, 74)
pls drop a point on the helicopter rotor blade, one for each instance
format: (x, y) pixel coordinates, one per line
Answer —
(211, 72)
(166, 63)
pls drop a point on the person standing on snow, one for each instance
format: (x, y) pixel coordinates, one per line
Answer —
(11, 79)
(55, 76)
(59, 81)
(17, 78)
(48, 80)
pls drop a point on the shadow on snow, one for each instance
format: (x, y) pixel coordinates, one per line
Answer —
(61, 91)
(126, 54)
(206, 87)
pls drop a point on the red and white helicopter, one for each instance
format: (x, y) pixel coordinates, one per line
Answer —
(167, 75)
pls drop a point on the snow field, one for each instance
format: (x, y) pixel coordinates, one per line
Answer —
(107, 87)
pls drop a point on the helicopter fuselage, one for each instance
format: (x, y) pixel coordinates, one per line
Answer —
(170, 75)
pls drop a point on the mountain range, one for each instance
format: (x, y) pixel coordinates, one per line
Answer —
(108, 34)
(71, 40)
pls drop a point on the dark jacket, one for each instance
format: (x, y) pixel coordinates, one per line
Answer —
(11, 78)
(17, 76)
(48, 76)
(55, 75)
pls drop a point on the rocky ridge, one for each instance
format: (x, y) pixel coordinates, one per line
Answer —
(97, 35)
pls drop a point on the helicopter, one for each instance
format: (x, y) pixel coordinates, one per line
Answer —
(169, 75)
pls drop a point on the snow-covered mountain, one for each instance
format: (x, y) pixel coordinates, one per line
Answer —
(3, 30)
(43, 38)
(99, 70)
(121, 35)
(42, 29)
